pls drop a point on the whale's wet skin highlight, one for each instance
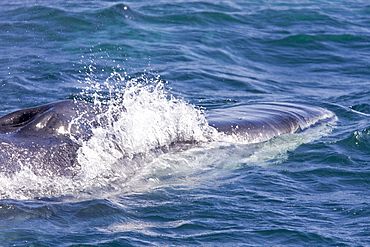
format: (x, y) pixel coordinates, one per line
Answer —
(184, 123)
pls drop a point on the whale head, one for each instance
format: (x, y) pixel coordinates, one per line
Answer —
(40, 138)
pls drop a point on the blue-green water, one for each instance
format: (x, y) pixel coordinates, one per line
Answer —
(308, 189)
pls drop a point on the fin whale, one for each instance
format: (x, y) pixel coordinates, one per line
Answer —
(43, 138)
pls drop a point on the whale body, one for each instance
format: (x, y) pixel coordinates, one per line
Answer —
(43, 138)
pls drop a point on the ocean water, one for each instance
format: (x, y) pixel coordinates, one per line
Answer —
(177, 59)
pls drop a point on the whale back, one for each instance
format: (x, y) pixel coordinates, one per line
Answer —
(261, 122)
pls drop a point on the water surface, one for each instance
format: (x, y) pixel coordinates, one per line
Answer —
(308, 189)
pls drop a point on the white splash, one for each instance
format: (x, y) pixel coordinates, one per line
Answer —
(141, 119)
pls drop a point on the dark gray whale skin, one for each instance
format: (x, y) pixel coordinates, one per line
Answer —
(42, 138)
(261, 122)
